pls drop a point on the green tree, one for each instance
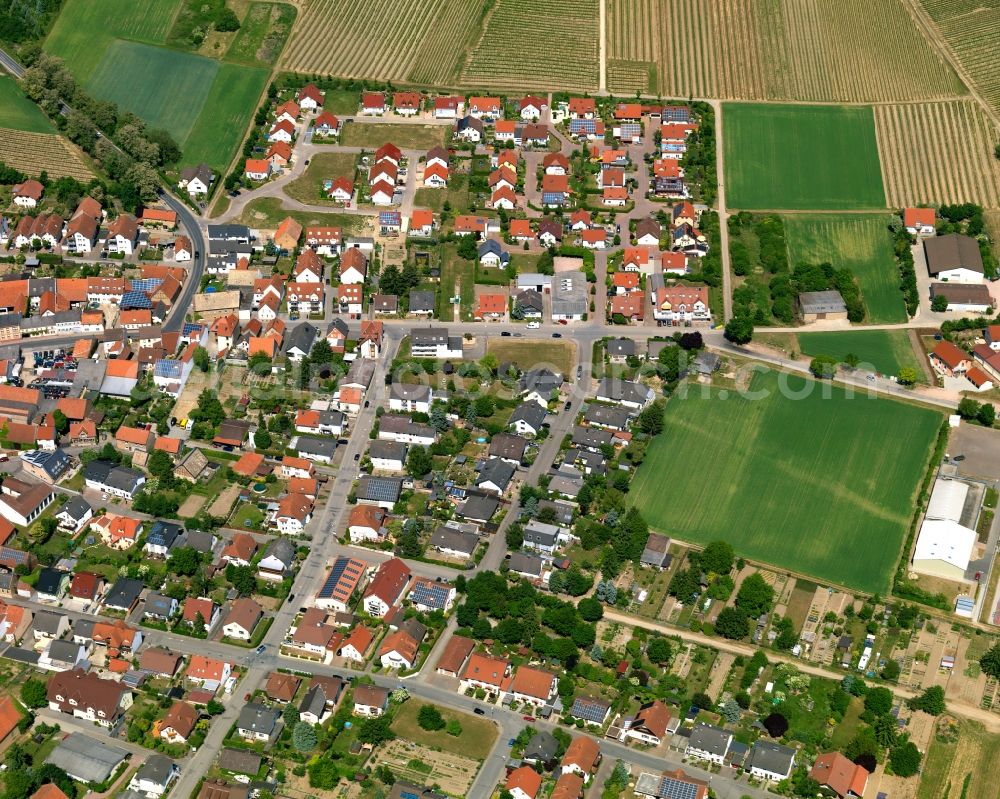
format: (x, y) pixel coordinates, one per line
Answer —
(34, 693)
(884, 727)
(419, 461)
(590, 609)
(823, 366)
(430, 718)
(907, 376)
(242, 578)
(303, 737)
(739, 329)
(718, 557)
(968, 408)
(375, 731)
(878, 701)
(930, 701)
(202, 359)
(184, 561)
(987, 415)
(905, 759)
(990, 662)
(658, 650)
(939, 303)
(160, 465)
(323, 772)
(262, 438)
(60, 421)
(755, 596)
(732, 623)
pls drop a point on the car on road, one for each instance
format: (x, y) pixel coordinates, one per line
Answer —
(307, 162)
(479, 711)
(291, 597)
(247, 696)
(357, 456)
(530, 719)
(367, 403)
(579, 371)
(557, 335)
(260, 649)
(505, 333)
(567, 406)
(510, 742)
(534, 325)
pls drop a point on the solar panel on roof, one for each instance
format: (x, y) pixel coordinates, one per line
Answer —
(430, 594)
(166, 368)
(589, 711)
(675, 789)
(191, 327)
(146, 284)
(135, 299)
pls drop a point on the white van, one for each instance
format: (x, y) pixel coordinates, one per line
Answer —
(534, 325)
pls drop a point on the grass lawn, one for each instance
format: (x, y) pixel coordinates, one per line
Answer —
(262, 34)
(268, 213)
(848, 726)
(885, 350)
(557, 355)
(457, 195)
(801, 476)
(801, 157)
(224, 118)
(323, 166)
(18, 112)
(858, 241)
(455, 270)
(405, 137)
(84, 29)
(341, 101)
(476, 741)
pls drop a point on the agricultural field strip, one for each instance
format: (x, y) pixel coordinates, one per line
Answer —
(773, 50)
(33, 152)
(84, 29)
(972, 31)
(508, 53)
(822, 487)
(380, 39)
(801, 157)
(918, 146)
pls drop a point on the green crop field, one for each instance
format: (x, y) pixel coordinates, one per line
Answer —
(18, 112)
(822, 485)
(801, 157)
(886, 350)
(85, 29)
(861, 242)
(225, 115)
(116, 50)
(166, 88)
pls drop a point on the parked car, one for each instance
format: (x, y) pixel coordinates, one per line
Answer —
(479, 711)
(534, 325)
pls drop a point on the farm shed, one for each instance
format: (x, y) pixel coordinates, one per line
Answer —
(954, 258)
(817, 305)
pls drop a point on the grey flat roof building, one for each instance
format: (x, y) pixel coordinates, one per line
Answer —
(86, 759)
(817, 302)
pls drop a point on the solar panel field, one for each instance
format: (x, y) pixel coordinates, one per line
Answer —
(820, 486)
